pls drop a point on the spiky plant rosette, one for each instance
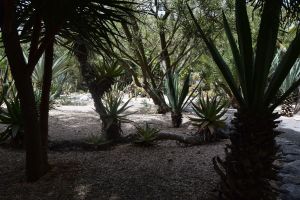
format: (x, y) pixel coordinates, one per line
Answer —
(178, 95)
(210, 113)
(11, 118)
(146, 135)
(114, 107)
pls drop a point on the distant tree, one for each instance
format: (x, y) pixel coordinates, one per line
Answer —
(156, 42)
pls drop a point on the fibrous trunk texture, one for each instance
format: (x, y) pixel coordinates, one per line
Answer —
(112, 131)
(176, 119)
(248, 170)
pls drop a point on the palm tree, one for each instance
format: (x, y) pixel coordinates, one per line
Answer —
(39, 23)
(248, 170)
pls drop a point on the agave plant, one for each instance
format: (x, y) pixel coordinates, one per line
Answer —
(112, 114)
(110, 69)
(5, 85)
(146, 135)
(210, 112)
(287, 108)
(60, 70)
(248, 169)
(178, 96)
(11, 118)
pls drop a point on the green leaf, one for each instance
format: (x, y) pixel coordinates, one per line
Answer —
(266, 47)
(219, 61)
(185, 90)
(287, 62)
(245, 46)
(239, 64)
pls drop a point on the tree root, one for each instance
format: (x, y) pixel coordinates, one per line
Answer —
(73, 145)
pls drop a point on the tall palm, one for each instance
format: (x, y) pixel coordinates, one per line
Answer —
(248, 169)
(39, 23)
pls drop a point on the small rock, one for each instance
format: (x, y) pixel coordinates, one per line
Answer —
(114, 197)
(292, 192)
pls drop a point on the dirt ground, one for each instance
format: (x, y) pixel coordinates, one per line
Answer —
(167, 170)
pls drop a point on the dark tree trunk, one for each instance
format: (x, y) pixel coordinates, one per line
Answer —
(113, 131)
(45, 98)
(158, 100)
(34, 161)
(96, 87)
(35, 167)
(176, 119)
(248, 170)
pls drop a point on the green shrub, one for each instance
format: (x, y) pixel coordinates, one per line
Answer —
(112, 113)
(210, 112)
(178, 95)
(12, 119)
(98, 140)
(146, 135)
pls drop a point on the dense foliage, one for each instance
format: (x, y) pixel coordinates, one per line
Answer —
(156, 48)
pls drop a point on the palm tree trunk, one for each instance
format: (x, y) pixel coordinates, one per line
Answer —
(176, 119)
(96, 87)
(248, 171)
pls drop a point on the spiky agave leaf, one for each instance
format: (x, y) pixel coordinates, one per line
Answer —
(172, 90)
(12, 119)
(108, 69)
(178, 95)
(146, 135)
(291, 81)
(210, 112)
(59, 68)
(114, 107)
(225, 70)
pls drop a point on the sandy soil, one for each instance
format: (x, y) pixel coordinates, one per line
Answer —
(165, 171)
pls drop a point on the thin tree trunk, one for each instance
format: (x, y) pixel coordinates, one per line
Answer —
(45, 98)
(165, 57)
(34, 161)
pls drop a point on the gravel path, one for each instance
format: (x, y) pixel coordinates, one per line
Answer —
(165, 171)
(290, 146)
